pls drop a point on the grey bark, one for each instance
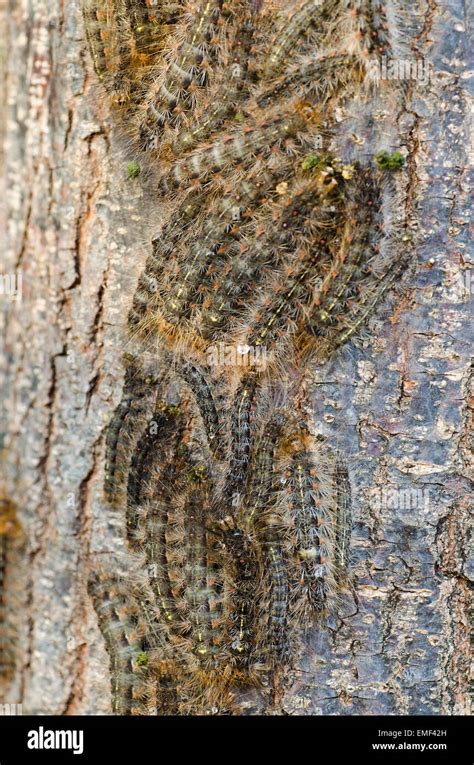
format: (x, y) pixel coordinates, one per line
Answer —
(398, 405)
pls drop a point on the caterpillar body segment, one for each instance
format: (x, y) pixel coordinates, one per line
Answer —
(261, 483)
(157, 547)
(369, 24)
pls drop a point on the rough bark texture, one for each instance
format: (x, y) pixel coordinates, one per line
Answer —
(399, 404)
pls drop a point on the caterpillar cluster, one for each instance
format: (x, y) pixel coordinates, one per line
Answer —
(237, 519)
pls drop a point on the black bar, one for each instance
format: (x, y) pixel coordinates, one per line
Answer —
(297, 739)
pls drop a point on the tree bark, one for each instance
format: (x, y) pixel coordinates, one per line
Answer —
(399, 405)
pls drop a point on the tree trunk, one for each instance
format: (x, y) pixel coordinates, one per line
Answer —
(399, 405)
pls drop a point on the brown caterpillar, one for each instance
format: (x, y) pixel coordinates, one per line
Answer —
(220, 157)
(201, 387)
(240, 428)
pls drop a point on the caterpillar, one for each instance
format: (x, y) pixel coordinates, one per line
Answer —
(221, 156)
(214, 114)
(316, 79)
(159, 438)
(352, 262)
(117, 616)
(258, 513)
(201, 388)
(310, 13)
(187, 69)
(307, 493)
(243, 576)
(126, 422)
(240, 429)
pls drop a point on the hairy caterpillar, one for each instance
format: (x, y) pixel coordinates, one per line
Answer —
(240, 428)
(307, 494)
(127, 420)
(241, 49)
(352, 264)
(159, 438)
(239, 526)
(201, 388)
(117, 616)
(310, 13)
(188, 69)
(221, 156)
